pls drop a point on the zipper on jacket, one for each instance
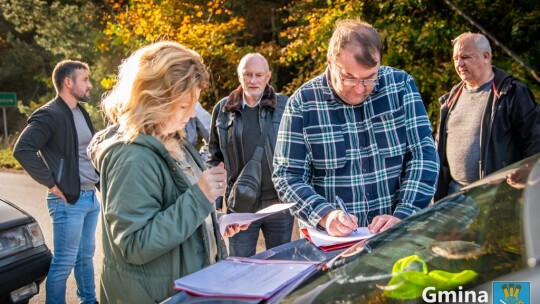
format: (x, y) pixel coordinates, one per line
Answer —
(480, 170)
(497, 95)
(60, 170)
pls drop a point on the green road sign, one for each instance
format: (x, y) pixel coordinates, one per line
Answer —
(8, 100)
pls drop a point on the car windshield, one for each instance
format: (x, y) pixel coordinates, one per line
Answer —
(464, 240)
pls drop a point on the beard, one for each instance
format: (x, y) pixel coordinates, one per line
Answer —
(81, 96)
(254, 95)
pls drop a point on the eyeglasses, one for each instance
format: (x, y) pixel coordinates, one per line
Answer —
(351, 82)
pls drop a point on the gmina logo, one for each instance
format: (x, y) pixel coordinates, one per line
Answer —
(512, 292)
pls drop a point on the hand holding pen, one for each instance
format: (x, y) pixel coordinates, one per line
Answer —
(339, 222)
(343, 208)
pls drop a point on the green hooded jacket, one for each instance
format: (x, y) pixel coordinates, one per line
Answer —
(152, 219)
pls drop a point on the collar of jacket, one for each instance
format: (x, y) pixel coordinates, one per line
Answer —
(501, 79)
(62, 104)
(234, 102)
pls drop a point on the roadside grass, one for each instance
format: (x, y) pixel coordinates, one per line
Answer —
(7, 161)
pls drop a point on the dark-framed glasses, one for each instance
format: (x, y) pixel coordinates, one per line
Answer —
(351, 82)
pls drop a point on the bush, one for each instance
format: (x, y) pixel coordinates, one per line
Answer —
(7, 161)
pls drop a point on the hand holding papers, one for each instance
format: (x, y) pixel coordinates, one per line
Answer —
(326, 242)
(246, 278)
(245, 218)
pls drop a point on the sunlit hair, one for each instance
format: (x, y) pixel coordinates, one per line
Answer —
(66, 68)
(359, 38)
(482, 43)
(150, 85)
(249, 56)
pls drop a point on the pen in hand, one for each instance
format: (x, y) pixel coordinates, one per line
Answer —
(343, 208)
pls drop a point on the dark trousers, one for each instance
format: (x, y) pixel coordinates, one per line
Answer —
(276, 228)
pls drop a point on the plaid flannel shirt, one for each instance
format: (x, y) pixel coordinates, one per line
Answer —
(378, 156)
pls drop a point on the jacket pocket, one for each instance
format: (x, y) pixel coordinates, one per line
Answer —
(225, 121)
(224, 124)
(326, 146)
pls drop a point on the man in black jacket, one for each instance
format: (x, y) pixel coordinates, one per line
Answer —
(237, 124)
(52, 149)
(488, 121)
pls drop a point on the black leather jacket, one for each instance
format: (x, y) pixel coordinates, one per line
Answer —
(51, 132)
(510, 129)
(226, 132)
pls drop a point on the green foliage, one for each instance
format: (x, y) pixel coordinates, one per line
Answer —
(95, 115)
(7, 160)
(417, 38)
(310, 26)
(208, 27)
(58, 27)
(34, 36)
(293, 35)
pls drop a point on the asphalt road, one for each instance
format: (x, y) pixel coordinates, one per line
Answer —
(22, 190)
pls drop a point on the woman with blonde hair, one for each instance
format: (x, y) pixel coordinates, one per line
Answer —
(158, 215)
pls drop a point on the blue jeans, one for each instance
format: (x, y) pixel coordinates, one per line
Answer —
(276, 228)
(454, 187)
(74, 240)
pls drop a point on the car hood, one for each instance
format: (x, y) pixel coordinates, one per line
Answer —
(480, 234)
(11, 216)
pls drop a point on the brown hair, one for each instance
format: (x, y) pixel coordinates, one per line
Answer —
(358, 37)
(66, 68)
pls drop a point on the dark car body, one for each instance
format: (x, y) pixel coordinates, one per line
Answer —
(469, 247)
(24, 256)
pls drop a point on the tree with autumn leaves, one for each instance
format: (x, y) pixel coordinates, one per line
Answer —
(218, 30)
(417, 36)
(293, 35)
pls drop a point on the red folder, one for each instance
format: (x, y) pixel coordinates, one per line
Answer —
(329, 247)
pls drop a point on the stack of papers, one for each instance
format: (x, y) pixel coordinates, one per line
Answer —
(245, 218)
(245, 278)
(326, 242)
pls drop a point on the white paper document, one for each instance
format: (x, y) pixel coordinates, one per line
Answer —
(322, 239)
(245, 278)
(244, 218)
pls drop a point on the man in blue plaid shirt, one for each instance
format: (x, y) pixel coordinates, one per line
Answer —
(359, 132)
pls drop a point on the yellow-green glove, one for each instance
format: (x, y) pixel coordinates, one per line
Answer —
(410, 283)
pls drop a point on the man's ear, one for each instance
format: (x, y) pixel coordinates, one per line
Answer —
(487, 56)
(68, 83)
